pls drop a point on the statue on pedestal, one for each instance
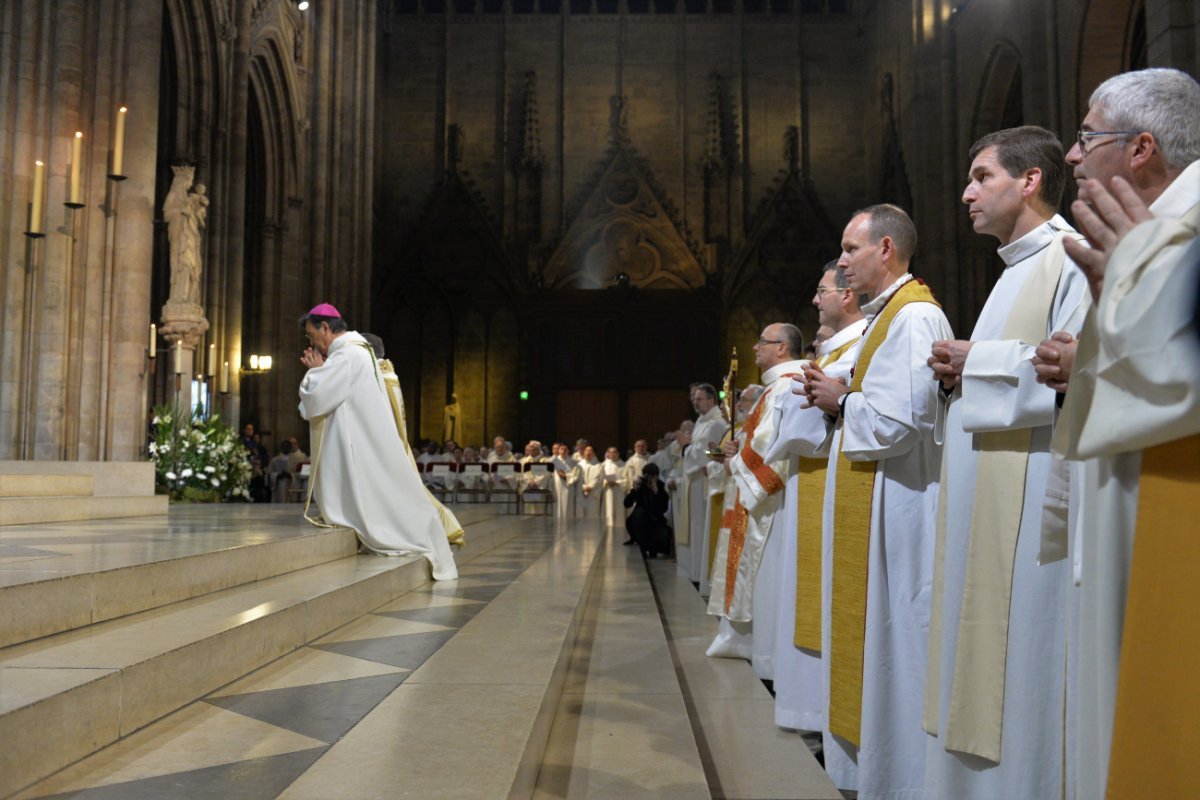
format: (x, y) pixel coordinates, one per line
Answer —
(451, 424)
(185, 211)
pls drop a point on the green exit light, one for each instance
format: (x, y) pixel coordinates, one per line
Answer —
(722, 393)
(524, 395)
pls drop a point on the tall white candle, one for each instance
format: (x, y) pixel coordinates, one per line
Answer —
(39, 197)
(212, 360)
(178, 358)
(225, 378)
(153, 340)
(76, 195)
(118, 159)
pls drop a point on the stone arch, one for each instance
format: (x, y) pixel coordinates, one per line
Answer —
(999, 101)
(1106, 44)
(196, 29)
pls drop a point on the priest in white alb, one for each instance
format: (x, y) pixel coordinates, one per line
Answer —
(566, 473)
(880, 515)
(801, 696)
(1131, 411)
(722, 491)
(589, 486)
(362, 477)
(691, 543)
(612, 487)
(747, 568)
(997, 650)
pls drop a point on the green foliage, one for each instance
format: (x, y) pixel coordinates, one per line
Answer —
(198, 460)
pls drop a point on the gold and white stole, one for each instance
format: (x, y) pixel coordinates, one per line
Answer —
(852, 534)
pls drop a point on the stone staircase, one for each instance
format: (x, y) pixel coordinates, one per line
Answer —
(95, 654)
(62, 491)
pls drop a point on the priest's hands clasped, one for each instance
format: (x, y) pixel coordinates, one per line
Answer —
(311, 357)
(948, 361)
(822, 391)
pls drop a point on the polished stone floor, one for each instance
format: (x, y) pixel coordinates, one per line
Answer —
(445, 668)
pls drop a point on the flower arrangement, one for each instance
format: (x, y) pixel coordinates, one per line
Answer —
(198, 460)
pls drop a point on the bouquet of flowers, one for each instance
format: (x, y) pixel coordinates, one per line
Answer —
(198, 460)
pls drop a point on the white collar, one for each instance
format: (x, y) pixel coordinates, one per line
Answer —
(1181, 196)
(782, 368)
(347, 338)
(712, 413)
(846, 335)
(1034, 241)
(871, 309)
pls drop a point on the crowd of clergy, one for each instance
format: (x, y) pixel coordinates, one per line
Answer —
(966, 565)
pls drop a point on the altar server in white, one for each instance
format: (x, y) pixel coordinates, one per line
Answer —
(589, 486)
(801, 696)
(997, 648)
(362, 476)
(566, 474)
(880, 515)
(612, 486)
(691, 543)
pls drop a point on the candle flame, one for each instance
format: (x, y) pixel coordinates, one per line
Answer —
(123, 109)
(78, 134)
(39, 163)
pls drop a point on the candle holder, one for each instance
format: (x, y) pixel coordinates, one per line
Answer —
(73, 206)
(117, 178)
(33, 235)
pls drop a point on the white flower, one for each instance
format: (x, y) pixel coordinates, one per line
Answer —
(187, 472)
(216, 482)
(210, 469)
(170, 476)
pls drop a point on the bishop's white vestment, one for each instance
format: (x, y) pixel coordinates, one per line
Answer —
(801, 696)
(362, 477)
(889, 422)
(994, 697)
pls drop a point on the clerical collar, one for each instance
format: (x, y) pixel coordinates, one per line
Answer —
(875, 306)
(1181, 196)
(846, 335)
(1037, 239)
(782, 368)
(715, 411)
(349, 337)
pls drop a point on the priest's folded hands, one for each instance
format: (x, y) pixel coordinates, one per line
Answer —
(948, 361)
(824, 392)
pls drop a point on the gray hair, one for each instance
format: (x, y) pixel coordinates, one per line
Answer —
(1162, 102)
(751, 392)
(893, 222)
(793, 340)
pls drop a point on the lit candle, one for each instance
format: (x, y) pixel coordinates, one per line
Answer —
(118, 158)
(76, 196)
(253, 362)
(212, 360)
(225, 378)
(39, 197)
(178, 358)
(153, 340)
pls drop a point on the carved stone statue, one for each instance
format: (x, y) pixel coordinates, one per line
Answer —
(185, 211)
(451, 420)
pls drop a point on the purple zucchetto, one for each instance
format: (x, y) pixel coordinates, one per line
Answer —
(324, 310)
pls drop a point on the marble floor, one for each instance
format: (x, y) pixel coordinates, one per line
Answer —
(556, 666)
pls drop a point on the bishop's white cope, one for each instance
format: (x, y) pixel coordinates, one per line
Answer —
(363, 477)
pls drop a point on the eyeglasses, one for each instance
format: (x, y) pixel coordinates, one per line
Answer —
(823, 290)
(770, 341)
(1082, 137)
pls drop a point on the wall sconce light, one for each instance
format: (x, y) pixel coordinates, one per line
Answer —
(259, 365)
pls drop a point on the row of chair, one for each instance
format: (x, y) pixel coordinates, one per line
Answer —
(484, 483)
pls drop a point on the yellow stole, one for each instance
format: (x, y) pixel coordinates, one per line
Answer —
(1156, 730)
(975, 715)
(810, 484)
(851, 537)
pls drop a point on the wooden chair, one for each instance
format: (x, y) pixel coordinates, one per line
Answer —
(299, 488)
(506, 483)
(531, 494)
(473, 482)
(440, 480)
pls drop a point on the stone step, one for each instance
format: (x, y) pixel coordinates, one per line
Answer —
(473, 721)
(37, 510)
(46, 485)
(68, 695)
(110, 478)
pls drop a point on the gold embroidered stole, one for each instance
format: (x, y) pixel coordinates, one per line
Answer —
(851, 537)
(810, 489)
(1156, 732)
(974, 720)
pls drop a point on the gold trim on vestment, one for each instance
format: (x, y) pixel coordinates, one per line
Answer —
(851, 538)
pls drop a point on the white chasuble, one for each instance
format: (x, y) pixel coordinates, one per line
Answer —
(450, 524)
(691, 545)
(363, 478)
(1134, 387)
(994, 698)
(890, 422)
(746, 569)
(801, 696)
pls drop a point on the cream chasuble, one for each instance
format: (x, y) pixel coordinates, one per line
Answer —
(450, 524)
(888, 422)
(362, 477)
(690, 551)
(801, 696)
(1138, 364)
(998, 621)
